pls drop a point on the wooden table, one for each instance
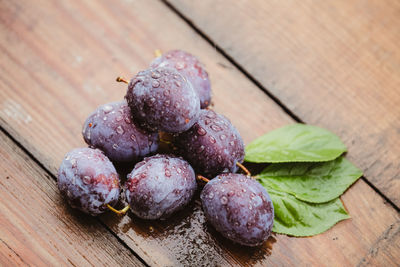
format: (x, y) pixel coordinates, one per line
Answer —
(334, 64)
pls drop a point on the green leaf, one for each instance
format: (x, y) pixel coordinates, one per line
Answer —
(295, 143)
(312, 182)
(298, 218)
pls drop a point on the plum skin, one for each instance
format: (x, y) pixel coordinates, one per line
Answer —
(88, 180)
(212, 146)
(111, 129)
(160, 185)
(162, 99)
(239, 208)
(189, 66)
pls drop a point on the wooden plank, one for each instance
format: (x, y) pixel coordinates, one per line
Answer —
(38, 229)
(385, 249)
(70, 57)
(333, 63)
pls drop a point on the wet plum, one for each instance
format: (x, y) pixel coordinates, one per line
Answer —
(239, 208)
(189, 66)
(212, 146)
(162, 99)
(88, 180)
(160, 185)
(111, 129)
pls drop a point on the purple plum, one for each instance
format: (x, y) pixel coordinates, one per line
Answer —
(239, 208)
(189, 66)
(160, 185)
(88, 180)
(162, 99)
(212, 146)
(111, 129)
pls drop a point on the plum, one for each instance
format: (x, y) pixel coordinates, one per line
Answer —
(189, 66)
(111, 129)
(88, 180)
(212, 146)
(162, 99)
(160, 185)
(239, 208)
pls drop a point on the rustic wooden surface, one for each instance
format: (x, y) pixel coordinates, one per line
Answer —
(38, 229)
(59, 61)
(332, 63)
(386, 248)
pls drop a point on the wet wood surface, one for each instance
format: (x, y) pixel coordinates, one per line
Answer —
(38, 229)
(335, 64)
(59, 61)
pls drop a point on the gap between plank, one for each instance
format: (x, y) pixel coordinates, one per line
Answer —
(258, 84)
(47, 171)
(232, 61)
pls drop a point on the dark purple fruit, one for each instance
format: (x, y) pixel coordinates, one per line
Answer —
(239, 208)
(88, 180)
(162, 99)
(111, 129)
(189, 66)
(212, 146)
(160, 185)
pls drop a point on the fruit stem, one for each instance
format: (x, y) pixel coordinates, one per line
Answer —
(243, 169)
(119, 212)
(121, 79)
(165, 141)
(210, 107)
(157, 53)
(202, 178)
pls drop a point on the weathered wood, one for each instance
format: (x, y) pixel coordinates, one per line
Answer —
(38, 229)
(333, 63)
(386, 249)
(59, 62)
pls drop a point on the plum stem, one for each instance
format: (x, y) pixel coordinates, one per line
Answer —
(210, 106)
(165, 137)
(119, 212)
(157, 53)
(202, 178)
(165, 141)
(121, 79)
(244, 169)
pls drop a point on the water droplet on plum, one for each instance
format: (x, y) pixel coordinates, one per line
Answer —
(180, 65)
(120, 130)
(224, 200)
(201, 131)
(155, 84)
(107, 108)
(155, 75)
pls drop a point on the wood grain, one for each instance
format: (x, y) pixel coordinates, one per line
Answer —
(38, 229)
(332, 63)
(59, 62)
(385, 249)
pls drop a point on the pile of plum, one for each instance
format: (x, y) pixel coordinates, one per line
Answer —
(171, 97)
